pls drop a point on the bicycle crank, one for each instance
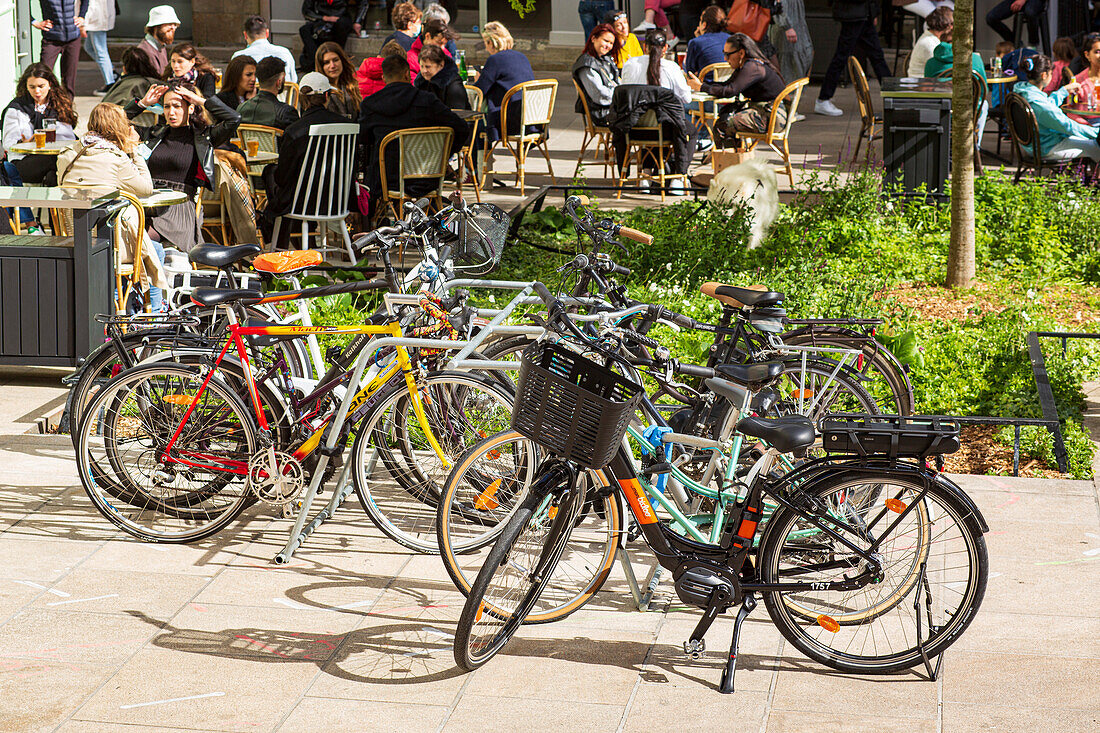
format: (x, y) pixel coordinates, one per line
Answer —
(276, 478)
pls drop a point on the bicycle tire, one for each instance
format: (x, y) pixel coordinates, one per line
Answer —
(142, 502)
(886, 616)
(402, 497)
(518, 567)
(467, 521)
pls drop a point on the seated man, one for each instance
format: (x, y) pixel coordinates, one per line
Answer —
(280, 179)
(326, 20)
(265, 108)
(400, 106)
(1031, 9)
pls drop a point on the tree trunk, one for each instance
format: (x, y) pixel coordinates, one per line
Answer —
(960, 258)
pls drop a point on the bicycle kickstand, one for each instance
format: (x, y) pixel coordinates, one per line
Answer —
(747, 605)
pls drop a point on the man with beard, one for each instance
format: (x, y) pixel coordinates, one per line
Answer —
(160, 32)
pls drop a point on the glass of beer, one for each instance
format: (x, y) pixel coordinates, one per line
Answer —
(50, 125)
(39, 138)
(253, 147)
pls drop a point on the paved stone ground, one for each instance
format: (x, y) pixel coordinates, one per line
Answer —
(99, 632)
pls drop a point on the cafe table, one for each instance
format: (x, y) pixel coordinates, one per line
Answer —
(52, 288)
(263, 156)
(54, 148)
(163, 197)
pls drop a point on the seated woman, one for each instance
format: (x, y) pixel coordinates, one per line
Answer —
(38, 97)
(238, 82)
(504, 69)
(137, 76)
(107, 159)
(435, 33)
(439, 75)
(655, 70)
(1089, 79)
(344, 98)
(1060, 138)
(186, 64)
(597, 73)
(629, 47)
(753, 78)
(369, 74)
(181, 155)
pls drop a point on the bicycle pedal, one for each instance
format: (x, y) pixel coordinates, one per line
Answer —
(695, 648)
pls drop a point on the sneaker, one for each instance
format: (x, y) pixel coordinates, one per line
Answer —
(102, 91)
(645, 25)
(676, 187)
(798, 117)
(826, 107)
(704, 145)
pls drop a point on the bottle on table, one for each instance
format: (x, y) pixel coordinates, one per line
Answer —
(462, 72)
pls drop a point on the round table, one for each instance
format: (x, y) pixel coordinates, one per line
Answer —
(264, 156)
(1082, 112)
(163, 197)
(1009, 79)
(54, 148)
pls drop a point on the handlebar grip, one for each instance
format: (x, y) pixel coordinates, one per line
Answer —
(693, 370)
(636, 235)
(544, 293)
(583, 200)
(620, 270)
(364, 241)
(646, 341)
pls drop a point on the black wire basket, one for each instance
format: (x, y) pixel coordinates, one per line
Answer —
(481, 234)
(571, 406)
(893, 436)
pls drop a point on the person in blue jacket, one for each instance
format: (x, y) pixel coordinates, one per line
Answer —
(1060, 138)
(504, 68)
(706, 48)
(61, 25)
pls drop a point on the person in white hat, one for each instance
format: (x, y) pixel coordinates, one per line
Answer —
(160, 31)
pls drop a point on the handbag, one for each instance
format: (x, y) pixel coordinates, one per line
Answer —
(749, 17)
(362, 198)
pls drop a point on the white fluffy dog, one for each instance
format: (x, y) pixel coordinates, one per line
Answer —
(755, 182)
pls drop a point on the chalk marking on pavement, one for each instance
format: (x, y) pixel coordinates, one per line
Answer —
(438, 632)
(81, 600)
(353, 604)
(171, 699)
(55, 591)
(289, 603)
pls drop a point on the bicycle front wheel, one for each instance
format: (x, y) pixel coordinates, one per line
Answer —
(518, 567)
(934, 571)
(397, 471)
(483, 492)
(155, 492)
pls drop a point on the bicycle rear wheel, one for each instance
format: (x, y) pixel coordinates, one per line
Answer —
(155, 494)
(518, 567)
(486, 488)
(934, 573)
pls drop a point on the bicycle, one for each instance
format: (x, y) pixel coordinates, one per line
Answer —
(832, 520)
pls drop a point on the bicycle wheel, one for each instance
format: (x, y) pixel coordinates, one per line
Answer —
(934, 563)
(179, 495)
(518, 567)
(398, 474)
(819, 388)
(484, 491)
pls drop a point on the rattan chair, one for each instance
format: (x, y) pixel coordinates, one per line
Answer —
(476, 99)
(981, 94)
(474, 96)
(290, 94)
(536, 107)
(651, 142)
(790, 96)
(700, 115)
(422, 154)
(268, 138)
(1024, 130)
(600, 134)
(868, 120)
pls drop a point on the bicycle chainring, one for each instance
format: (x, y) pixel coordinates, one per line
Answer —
(278, 487)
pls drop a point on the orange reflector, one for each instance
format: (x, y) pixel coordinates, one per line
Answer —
(804, 394)
(895, 505)
(553, 512)
(480, 611)
(177, 399)
(828, 623)
(485, 500)
(493, 455)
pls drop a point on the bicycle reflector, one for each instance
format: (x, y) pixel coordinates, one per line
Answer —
(828, 623)
(895, 505)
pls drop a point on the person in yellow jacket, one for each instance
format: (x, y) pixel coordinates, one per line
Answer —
(629, 47)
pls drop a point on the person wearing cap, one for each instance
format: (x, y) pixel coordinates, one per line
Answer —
(256, 35)
(265, 108)
(160, 32)
(280, 179)
(629, 47)
(61, 25)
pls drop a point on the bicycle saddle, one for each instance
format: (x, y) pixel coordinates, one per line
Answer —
(221, 296)
(761, 402)
(786, 434)
(753, 376)
(215, 255)
(754, 296)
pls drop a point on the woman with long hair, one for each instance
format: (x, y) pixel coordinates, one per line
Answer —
(1060, 138)
(106, 158)
(181, 154)
(186, 64)
(39, 96)
(597, 73)
(1089, 79)
(331, 61)
(654, 69)
(238, 81)
(753, 78)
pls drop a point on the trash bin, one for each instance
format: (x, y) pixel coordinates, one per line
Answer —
(916, 134)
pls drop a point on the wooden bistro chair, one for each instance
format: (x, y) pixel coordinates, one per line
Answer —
(290, 94)
(1024, 130)
(536, 107)
(324, 184)
(466, 156)
(422, 154)
(653, 143)
(600, 134)
(772, 136)
(868, 120)
(268, 138)
(700, 115)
